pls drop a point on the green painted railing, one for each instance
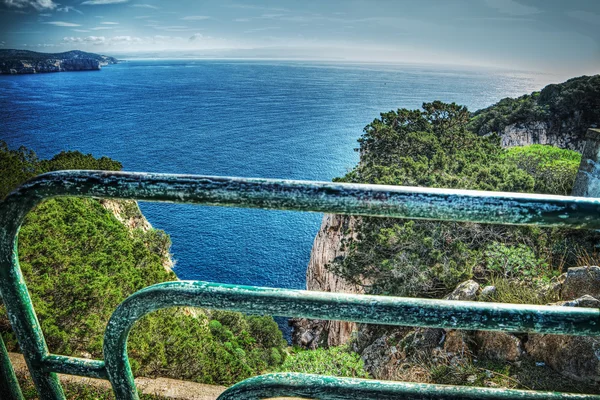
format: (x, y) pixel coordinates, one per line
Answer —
(372, 200)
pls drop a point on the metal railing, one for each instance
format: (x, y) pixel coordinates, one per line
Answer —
(341, 198)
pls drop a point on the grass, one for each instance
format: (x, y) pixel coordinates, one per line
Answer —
(518, 292)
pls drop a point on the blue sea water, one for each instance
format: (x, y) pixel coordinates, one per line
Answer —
(296, 120)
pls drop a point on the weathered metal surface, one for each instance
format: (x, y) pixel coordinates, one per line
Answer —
(74, 366)
(9, 386)
(332, 306)
(390, 201)
(332, 388)
(342, 198)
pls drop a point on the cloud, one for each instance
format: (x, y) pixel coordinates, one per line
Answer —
(132, 39)
(195, 18)
(69, 8)
(171, 28)
(37, 4)
(145, 6)
(102, 40)
(109, 23)
(511, 7)
(61, 23)
(196, 36)
(101, 28)
(97, 40)
(267, 28)
(102, 2)
(80, 30)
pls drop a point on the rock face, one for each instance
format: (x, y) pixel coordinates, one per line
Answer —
(129, 214)
(30, 62)
(580, 281)
(540, 132)
(577, 357)
(328, 246)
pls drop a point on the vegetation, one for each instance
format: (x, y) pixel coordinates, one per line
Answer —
(576, 101)
(80, 262)
(433, 147)
(336, 361)
(552, 169)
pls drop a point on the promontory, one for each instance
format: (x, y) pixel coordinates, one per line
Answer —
(31, 62)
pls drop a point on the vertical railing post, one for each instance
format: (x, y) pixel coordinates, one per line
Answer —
(587, 182)
(9, 386)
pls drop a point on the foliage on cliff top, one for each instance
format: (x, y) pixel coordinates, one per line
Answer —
(576, 100)
(433, 148)
(80, 262)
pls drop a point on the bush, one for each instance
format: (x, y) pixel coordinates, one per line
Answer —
(433, 148)
(80, 262)
(336, 361)
(553, 169)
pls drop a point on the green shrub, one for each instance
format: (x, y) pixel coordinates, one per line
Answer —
(434, 148)
(80, 262)
(553, 169)
(336, 361)
(514, 261)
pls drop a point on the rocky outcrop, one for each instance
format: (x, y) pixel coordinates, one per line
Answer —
(498, 345)
(129, 214)
(580, 281)
(577, 357)
(29, 62)
(329, 245)
(541, 132)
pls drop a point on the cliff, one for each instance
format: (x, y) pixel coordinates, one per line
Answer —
(31, 62)
(558, 115)
(426, 259)
(129, 214)
(330, 244)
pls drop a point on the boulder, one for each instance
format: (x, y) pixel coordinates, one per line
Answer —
(464, 291)
(381, 358)
(580, 281)
(487, 292)
(307, 333)
(498, 345)
(577, 357)
(458, 343)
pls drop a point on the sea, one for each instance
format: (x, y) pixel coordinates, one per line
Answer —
(257, 118)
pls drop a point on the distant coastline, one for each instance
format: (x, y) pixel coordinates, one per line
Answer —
(16, 62)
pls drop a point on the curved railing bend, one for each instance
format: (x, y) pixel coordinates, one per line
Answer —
(341, 198)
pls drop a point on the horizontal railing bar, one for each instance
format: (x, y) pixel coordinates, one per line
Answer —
(74, 366)
(333, 388)
(332, 306)
(342, 198)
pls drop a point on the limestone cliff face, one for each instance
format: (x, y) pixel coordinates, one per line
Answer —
(540, 132)
(328, 246)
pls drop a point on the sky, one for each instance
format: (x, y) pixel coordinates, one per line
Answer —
(552, 36)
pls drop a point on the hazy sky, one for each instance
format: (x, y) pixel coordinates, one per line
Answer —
(560, 36)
